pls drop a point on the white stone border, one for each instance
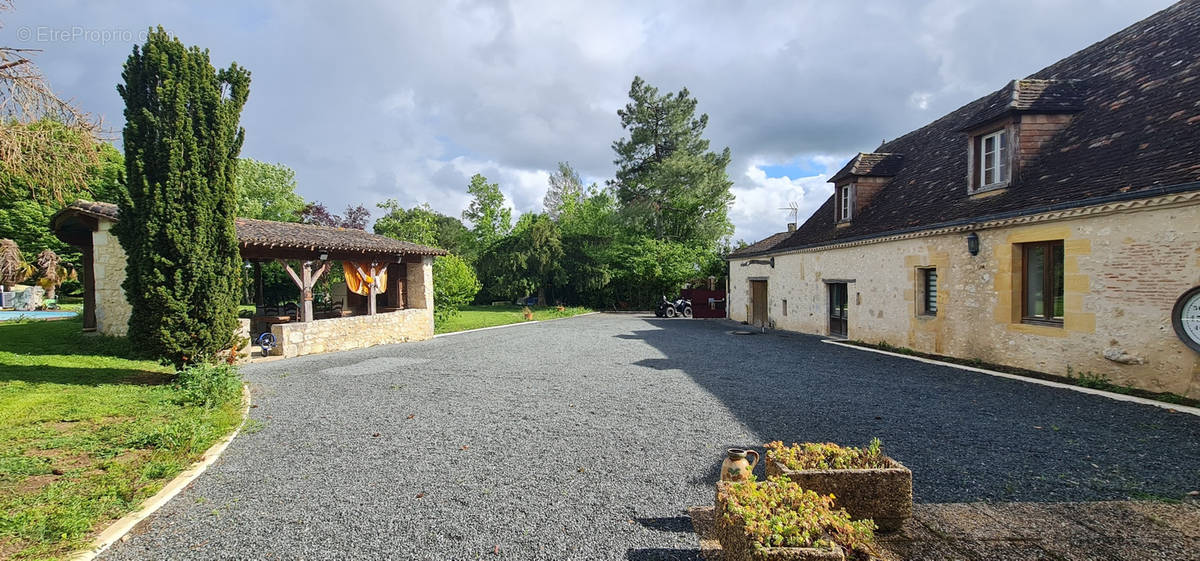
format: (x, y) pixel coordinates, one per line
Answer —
(1039, 381)
(122, 526)
(530, 322)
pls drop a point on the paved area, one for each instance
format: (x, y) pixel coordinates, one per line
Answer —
(588, 438)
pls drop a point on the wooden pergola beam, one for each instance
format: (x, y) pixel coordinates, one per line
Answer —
(306, 280)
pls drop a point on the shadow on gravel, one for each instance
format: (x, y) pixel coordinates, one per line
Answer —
(667, 524)
(966, 436)
(662, 554)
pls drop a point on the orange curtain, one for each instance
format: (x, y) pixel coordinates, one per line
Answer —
(360, 284)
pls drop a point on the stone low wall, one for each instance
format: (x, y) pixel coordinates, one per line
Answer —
(356, 332)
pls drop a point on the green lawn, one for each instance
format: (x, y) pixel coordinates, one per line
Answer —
(86, 434)
(474, 317)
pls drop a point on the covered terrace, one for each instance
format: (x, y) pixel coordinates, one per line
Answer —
(389, 295)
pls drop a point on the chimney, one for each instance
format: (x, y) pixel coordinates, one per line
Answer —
(791, 226)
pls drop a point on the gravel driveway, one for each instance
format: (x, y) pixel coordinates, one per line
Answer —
(587, 438)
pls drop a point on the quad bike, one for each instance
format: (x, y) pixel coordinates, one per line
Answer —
(669, 309)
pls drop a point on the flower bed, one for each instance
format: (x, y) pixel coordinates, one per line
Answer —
(777, 520)
(864, 482)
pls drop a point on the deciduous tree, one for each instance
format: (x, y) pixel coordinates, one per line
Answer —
(47, 144)
(454, 286)
(490, 219)
(354, 218)
(565, 190)
(267, 191)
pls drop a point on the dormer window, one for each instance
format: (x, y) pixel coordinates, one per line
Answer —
(845, 202)
(856, 184)
(1010, 126)
(994, 162)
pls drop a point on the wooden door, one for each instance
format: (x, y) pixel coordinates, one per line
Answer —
(758, 303)
(837, 309)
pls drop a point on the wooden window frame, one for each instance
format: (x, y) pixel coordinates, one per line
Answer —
(1002, 153)
(1049, 291)
(923, 284)
(844, 203)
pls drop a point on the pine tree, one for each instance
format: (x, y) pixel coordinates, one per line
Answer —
(182, 141)
(667, 181)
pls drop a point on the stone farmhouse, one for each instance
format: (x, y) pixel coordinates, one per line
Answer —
(1053, 225)
(397, 305)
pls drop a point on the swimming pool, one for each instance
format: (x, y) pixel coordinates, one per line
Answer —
(10, 315)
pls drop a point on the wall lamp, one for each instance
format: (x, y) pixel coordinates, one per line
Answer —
(973, 243)
(323, 257)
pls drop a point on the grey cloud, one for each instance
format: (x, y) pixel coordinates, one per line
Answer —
(375, 99)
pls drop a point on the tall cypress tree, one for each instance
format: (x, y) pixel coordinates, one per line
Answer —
(182, 141)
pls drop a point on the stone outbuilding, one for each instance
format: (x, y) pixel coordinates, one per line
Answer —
(396, 278)
(1053, 225)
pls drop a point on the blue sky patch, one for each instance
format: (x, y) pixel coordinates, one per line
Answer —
(799, 167)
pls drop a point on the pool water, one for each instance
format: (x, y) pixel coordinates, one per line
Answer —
(11, 315)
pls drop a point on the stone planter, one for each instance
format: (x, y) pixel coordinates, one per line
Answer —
(735, 546)
(882, 494)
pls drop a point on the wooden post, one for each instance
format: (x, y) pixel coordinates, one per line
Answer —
(259, 298)
(371, 294)
(306, 294)
(302, 283)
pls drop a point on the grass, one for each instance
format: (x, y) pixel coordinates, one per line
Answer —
(86, 434)
(475, 317)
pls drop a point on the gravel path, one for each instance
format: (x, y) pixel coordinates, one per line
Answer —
(587, 438)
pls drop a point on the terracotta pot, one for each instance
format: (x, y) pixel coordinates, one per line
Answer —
(736, 467)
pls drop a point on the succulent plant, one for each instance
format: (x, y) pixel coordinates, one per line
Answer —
(779, 513)
(814, 455)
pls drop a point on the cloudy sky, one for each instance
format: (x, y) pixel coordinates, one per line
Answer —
(376, 99)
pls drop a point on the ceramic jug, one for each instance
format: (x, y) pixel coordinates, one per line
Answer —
(736, 467)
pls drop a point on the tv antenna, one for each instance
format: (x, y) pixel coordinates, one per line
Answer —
(793, 209)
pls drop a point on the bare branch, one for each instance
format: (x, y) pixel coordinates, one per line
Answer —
(32, 153)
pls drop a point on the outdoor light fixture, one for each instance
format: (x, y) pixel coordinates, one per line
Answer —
(323, 257)
(973, 243)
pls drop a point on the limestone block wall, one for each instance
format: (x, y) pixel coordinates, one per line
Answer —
(419, 284)
(355, 332)
(1122, 275)
(108, 262)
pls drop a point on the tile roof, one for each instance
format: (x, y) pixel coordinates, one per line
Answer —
(1030, 96)
(1138, 132)
(873, 164)
(287, 235)
(761, 245)
(294, 235)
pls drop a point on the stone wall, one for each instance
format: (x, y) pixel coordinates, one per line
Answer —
(1122, 275)
(355, 332)
(108, 258)
(419, 284)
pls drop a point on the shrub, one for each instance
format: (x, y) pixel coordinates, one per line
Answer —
(209, 385)
(454, 286)
(779, 513)
(813, 455)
